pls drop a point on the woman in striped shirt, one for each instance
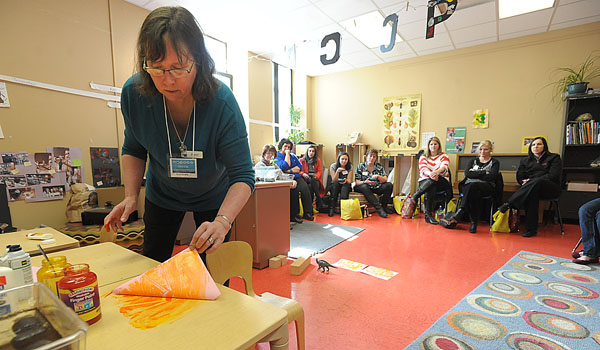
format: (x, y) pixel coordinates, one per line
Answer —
(434, 177)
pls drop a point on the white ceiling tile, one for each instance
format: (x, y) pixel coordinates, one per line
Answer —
(350, 44)
(362, 57)
(340, 10)
(478, 32)
(564, 2)
(523, 33)
(306, 17)
(412, 14)
(439, 40)
(577, 22)
(526, 21)
(471, 16)
(417, 30)
(400, 57)
(576, 10)
(476, 42)
(436, 50)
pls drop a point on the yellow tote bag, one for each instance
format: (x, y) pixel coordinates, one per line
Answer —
(451, 205)
(350, 209)
(398, 203)
(501, 222)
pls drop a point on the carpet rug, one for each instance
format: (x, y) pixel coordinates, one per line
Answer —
(534, 301)
(309, 238)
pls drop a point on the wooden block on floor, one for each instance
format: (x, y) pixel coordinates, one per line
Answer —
(299, 266)
(283, 259)
(275, 262)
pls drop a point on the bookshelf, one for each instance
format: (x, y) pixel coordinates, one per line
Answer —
(580, 146)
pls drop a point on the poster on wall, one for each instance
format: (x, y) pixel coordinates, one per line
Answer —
(4, 102)
(67, 161)
(481, 119)
(106, 170)
(455, 139)
(528, 140)
(401, 120)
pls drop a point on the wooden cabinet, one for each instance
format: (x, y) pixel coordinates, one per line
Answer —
(580, 147)
(356, 151)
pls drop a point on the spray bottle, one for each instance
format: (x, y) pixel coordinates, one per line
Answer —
(20, 262)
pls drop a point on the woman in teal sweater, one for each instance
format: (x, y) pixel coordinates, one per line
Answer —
(190, 128)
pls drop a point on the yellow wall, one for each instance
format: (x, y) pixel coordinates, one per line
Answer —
(260, 95)
(66, 43)
(506, 77)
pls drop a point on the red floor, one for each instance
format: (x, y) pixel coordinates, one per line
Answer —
(436, 269)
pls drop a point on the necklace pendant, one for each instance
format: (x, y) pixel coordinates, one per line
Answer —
(182, 149)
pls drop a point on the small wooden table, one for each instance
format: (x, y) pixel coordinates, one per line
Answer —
(232, 321)
(31, 245)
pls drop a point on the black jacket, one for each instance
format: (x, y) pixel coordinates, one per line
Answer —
(548, 167)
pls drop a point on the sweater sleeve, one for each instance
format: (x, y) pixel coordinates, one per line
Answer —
(304, 167)
(522, 173)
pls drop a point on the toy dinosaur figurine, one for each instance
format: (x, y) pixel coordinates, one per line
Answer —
(324, 265)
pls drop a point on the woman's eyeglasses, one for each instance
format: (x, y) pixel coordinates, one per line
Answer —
(175, 72)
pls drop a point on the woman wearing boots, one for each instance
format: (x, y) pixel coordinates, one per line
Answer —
(371, 178)
(312, 172)
(341, 178)
(539, 177)
(434, 176)
(480, 181)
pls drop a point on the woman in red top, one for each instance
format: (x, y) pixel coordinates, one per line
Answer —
(312, 172)
(434, 176)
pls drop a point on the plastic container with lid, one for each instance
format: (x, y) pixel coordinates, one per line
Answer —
(20, 262)
(52, 271)
(8, 280)
(78, 289)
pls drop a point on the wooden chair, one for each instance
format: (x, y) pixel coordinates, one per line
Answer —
(234, 259)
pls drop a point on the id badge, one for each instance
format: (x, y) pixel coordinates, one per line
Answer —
(365, 173)
(193, 154)
(183, 168)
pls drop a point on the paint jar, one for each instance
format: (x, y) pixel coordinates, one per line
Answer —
(20, 262)
(52, 271)
(78, 289)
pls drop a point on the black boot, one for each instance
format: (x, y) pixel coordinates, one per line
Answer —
(423, 186)
(380, 211)
(473, 228)
(332, 206)
(430, 218)
(504, 207)
(458, 214)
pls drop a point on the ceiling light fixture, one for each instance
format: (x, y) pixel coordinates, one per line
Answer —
(509, 8)
(369, 29)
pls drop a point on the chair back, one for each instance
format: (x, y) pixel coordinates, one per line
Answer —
(232, 259)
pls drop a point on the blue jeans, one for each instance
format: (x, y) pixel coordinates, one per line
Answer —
(589, 221)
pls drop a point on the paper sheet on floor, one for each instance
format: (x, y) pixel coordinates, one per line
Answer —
(366, 269)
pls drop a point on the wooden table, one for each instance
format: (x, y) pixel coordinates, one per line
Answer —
(232, 321)
(264, 222)
(30, 245)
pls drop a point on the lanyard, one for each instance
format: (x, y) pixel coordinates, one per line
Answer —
(182, 148)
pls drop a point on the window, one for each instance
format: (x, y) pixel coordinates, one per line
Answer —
(282, 100)
(218, 51)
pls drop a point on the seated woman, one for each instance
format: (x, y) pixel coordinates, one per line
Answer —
(341, 179)
(268, 154)
(312, 173)
(539, 177)
(371, 178)
(589, 222)
(434, 176)
(480, 181)
(290, 164)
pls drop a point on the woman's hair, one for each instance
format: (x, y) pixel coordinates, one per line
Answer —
(285, 141)
(371, 151)
(268, 148)
(337, 162)
(306, 153)
(543, 141)
(184, 32)
(428, 152)
(486, 143)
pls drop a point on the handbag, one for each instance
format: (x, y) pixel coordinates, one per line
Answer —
(408, 208)
(350, 209)
(501, 222)
(398, 203)
(513, 220)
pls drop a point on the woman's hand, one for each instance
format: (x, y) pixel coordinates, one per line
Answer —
(210, 235)
(294, 184)
(525, 181)
(120, 214)
(305, 175)
(434, 176)
(339, 170)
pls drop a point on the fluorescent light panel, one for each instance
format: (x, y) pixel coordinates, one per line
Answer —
(369, 29)
(509, 8)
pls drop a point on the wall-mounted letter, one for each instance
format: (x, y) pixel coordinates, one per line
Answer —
(336, 37)
(394, 19)
(446, 7)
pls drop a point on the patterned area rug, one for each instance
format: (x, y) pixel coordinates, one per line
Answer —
(533, 302)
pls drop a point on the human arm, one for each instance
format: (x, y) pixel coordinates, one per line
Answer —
(379, 173)
(133, 174)
(522, 173)
(319, 171)
(304, 170)
(234, 201)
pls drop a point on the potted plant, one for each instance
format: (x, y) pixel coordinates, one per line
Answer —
(575, 80)
(295, 135)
